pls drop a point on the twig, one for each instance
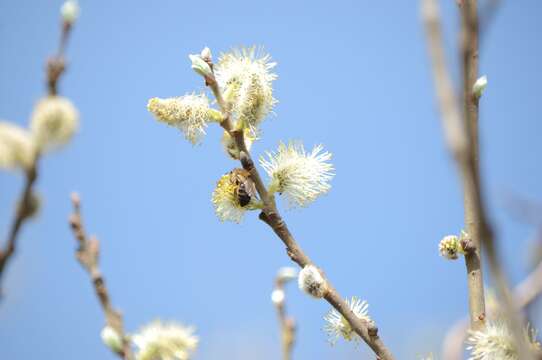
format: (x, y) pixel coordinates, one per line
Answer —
(287, 323)
(87, 254)
(464, 146)
(23, 212)
(271, 217)
(56, 64)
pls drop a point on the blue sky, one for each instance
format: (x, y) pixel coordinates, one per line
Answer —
(354, 76)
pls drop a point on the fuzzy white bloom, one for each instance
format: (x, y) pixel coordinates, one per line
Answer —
(277, 296)
(337, 326)
(228, 143)
(16, 147)
(311, 281)
(449, 247)
(479, 86)
(200, 66)
(286, 273)
(496, 342)
(189, 113)
(301, 176)
(111, 338)
(246, 78)
(234, 195)
(54, 122)
(165, 341)
(70, 11)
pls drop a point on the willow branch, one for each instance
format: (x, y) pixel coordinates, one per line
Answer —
(87, 254)
(56, 64)
(462, 140)
(287, 323)
(24, 210)
(271, 216)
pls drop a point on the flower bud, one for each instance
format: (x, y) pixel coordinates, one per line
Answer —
(277, 296)
(70, 11)
(479, 86)
(230, 147)
(112, 339)
(206, 54)
(311, 281)
(200, 66)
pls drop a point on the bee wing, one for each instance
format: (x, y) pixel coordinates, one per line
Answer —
(251, 188)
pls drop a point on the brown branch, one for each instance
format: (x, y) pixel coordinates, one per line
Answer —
(25, 208)
(270, 215)
(462, 139)
(87, 254)
(56, 64)
(287, 323)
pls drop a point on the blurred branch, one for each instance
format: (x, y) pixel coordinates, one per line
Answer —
(524, 294)
(56, 64)
(270, 215)
(55, 67)
(287, 323)
(462, 139)
(87, 254)
(24, 210)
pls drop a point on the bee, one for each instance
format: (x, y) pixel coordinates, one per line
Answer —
(245, 190)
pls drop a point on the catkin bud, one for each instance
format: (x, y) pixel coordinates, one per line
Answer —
(450, 247)
(311, 281)
(277, 296)
(111, 338)
(206, 54)
(70, 11)
(200, 66)
(479, 86)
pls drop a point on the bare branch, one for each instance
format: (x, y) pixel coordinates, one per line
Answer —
(87, 254)
(23, 212)
(287, 323)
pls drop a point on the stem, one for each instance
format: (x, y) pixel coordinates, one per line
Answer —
(23, 212)
(462, 140)
(287, 324)
(87, 254)
(469, 47)
(270, 215)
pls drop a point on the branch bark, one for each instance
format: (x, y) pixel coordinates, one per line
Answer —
(23, 212)
(87, 254)
(271, 216)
